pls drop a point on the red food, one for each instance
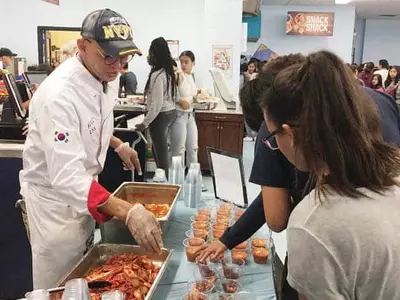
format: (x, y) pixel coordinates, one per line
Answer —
(230, 288)
(159, 210)
(129, 273)
(260, 255)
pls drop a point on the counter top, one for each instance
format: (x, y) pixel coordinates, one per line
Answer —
(257, 279)
(130, 107)
(228, 112)
(11, 149)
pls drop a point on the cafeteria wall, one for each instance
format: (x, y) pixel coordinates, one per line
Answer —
(381, 41)
(273, 31)
(197, 24)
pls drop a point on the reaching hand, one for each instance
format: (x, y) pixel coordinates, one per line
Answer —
(216, 250)
(145, 228)
(129, 157)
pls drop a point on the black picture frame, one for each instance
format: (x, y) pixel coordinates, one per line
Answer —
(243, 180)
(41, 37)
(14, 96)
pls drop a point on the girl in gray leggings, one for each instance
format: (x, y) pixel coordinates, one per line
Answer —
(160, 93)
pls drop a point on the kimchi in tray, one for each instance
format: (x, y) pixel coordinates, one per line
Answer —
(130, 269)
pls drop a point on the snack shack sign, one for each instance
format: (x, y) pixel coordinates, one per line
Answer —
(310, 23)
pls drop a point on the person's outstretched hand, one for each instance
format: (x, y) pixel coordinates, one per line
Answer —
(129, 157)
(216, 250)
(145, 228)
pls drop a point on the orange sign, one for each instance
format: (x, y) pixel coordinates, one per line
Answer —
(56, 2)
(310, 23)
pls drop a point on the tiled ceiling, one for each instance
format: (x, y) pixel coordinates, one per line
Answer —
(366, 9)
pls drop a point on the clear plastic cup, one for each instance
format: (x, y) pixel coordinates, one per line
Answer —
(204, 210)
(199, 233)
(233, 261)
(200, 225)
(238, 212)
(113, 295)
(76, 289)
(38, 295)
(200, 218)
(217, 234)
(243, 246)
(239, 253)
(203, 286)
(228, 286)
(259, 242)
(220, 226)
(224, 296)
(230, 273)
(193, 247)
(260, 255)
(244, 296)
(204, 271)
(195, 296)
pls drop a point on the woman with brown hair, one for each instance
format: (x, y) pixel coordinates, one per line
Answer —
(343, 238)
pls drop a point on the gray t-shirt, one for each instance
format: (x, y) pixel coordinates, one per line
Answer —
(159, 98)
(342, 248)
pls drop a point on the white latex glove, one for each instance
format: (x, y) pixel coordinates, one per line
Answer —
(129, 157)
(145, 228)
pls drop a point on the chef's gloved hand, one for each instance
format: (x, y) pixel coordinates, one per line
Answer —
(145, 228)
(129, 157)
(140, 127)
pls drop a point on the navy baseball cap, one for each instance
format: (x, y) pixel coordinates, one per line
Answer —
(6, 52)
(111, 31)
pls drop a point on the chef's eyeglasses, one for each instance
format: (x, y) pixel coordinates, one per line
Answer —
(270, 139)
(110, 60)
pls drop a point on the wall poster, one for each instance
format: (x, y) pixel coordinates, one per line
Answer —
(310, 23)
(222, 59)
(173, 46)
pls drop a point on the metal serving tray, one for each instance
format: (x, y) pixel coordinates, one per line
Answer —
(115, 231)
(100, 253)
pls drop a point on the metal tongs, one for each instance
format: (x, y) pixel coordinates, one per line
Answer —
(91, 285)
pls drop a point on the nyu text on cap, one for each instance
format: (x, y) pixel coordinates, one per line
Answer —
(111, 31)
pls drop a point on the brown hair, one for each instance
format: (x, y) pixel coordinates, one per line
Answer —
(252, 91)
(338, 126)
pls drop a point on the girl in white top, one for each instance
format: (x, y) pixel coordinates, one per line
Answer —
(184, 134)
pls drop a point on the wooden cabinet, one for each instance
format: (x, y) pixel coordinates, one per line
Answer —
(224, 131)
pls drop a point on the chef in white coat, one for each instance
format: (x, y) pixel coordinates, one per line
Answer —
(70, 130)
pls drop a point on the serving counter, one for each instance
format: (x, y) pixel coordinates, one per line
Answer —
(257, 278)
(15, 252)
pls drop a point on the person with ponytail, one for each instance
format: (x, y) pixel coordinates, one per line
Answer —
(343, 237)
(160, 93)
(184, 135)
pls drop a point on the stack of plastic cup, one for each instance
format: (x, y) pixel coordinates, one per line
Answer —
(38, 295)
(159, 176)
(193, 186)
(113, 295)
(76, 289)
(176, 172)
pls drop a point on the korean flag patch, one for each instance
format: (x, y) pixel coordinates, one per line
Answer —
(61, 137)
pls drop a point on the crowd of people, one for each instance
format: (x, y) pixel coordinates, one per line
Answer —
(326, 159)
(383, 77)
(328, 163)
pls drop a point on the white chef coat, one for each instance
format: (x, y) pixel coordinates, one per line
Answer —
(70, 127)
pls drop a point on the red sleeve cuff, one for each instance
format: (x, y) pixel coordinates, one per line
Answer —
(98, 195)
